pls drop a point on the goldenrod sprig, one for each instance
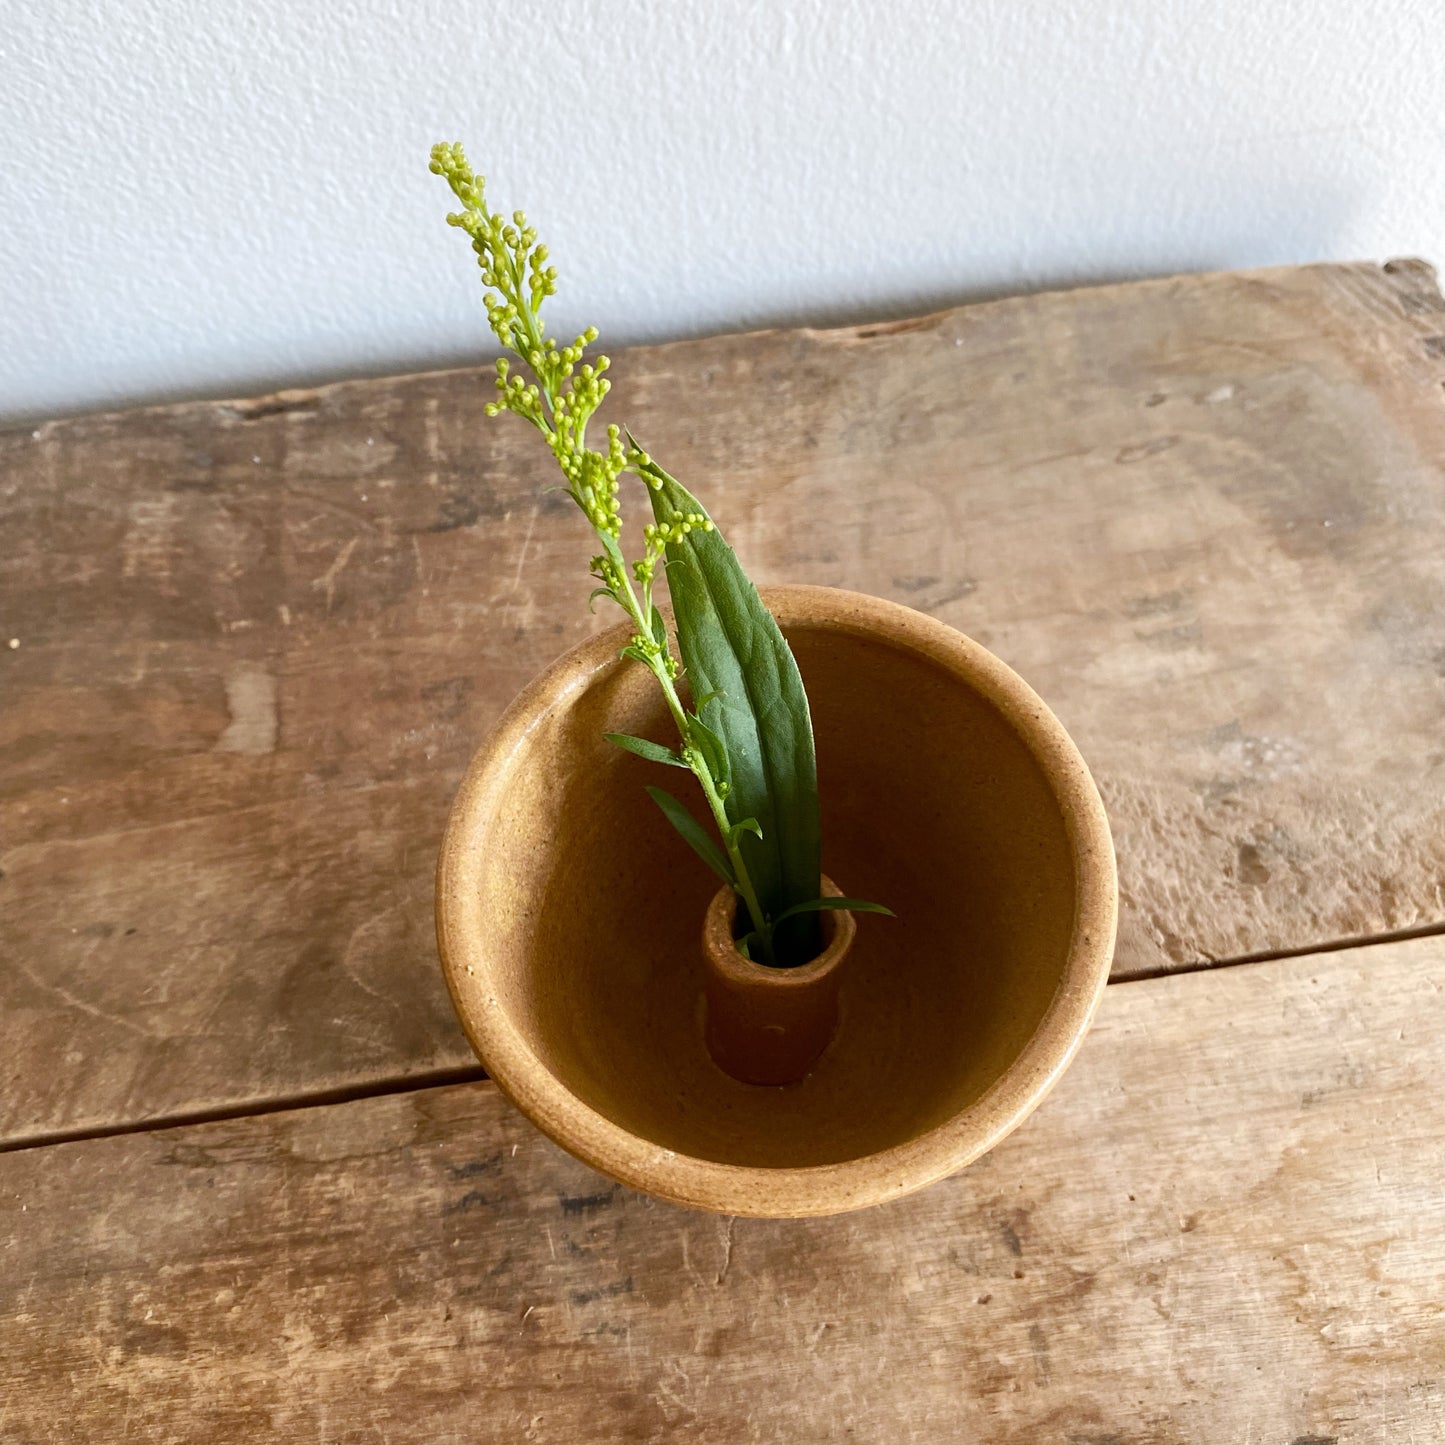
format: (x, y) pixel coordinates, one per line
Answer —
(560, 400)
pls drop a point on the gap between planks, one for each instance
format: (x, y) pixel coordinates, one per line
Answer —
(1334, 945)
(475, 1074)
(315, 1099)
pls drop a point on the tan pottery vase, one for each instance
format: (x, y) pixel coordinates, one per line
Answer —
(570, 918)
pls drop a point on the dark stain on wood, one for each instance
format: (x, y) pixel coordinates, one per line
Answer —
(578, 1204)
(142, 1337)
(1139, 451)
(608, 1291)
(472, 1199)
(465, 510)
(474, 1168)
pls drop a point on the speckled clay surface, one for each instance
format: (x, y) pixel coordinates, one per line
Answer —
(569, 914)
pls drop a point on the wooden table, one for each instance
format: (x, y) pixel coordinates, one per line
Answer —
(255, 1186)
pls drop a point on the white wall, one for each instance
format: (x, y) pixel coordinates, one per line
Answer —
(212, 198)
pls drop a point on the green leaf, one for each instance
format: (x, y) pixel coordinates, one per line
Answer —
(693, 834)
(818, 905)
(738, 661)
(600, 592)
(748, 825)
(635, 653)
(609, 545)
(645, 748)
(713, 750)
(659, 629)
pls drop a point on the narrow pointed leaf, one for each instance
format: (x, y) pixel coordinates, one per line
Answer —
(645, 748)
(659, 628)
(609, 545)
(713, 749)
(693, 834)
(600, 592)
(818, 905)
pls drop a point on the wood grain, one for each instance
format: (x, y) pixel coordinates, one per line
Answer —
(1226, 1224)
(258, 641)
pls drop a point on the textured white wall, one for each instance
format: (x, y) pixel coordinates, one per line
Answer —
(212, 197)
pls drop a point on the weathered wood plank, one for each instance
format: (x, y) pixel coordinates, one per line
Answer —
(1226, 1224)
(259, 640)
